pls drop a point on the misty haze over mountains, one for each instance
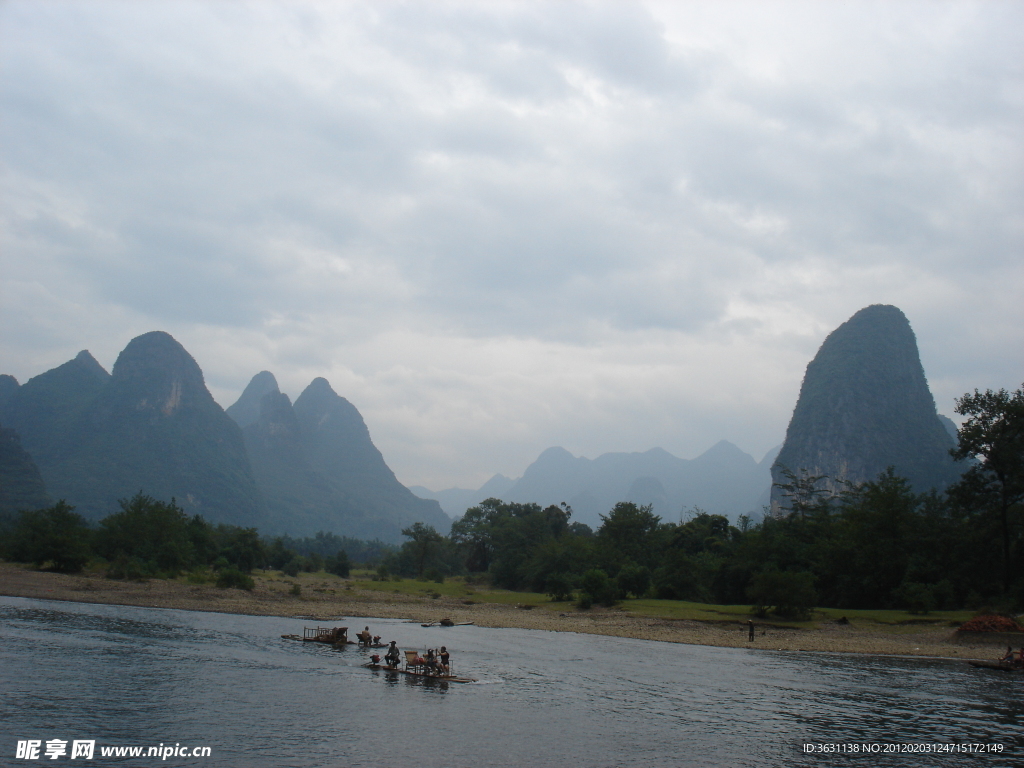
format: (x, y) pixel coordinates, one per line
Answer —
(91, 437)
(864, 406)
(723, 480)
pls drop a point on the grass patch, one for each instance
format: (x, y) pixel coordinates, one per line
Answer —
(894, 618)
(886, 620)
(679, 609)
(455, 588)
(473, 592)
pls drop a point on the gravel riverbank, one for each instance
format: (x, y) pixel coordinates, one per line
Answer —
(325, 604)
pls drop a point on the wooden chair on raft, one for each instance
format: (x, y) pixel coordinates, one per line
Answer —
(413, 662)
(416, 663)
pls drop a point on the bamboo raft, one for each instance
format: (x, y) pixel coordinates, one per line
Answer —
(421, 674)
(339, 636)
(325, 635)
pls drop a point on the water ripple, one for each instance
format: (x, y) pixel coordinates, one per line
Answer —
(143, 676)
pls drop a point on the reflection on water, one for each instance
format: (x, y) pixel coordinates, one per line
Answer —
(136, 676)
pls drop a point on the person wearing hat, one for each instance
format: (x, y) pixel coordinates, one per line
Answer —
(391, 658)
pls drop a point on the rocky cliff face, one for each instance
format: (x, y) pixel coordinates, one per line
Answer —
(864, 406)
(150, 426)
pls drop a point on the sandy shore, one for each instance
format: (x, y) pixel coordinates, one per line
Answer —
(325, 602)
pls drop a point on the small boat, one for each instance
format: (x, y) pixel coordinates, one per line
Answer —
(448, 623)
(421, 674)
(1002, 666)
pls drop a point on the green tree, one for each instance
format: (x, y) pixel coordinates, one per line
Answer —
(473, 533)
(875, 538)
(241, 547)
(157, 533)
(424, 540)
(339, 565)
(278, 555)
(993, 435)
(696, 560)
(629, 533)
(564, 556)
(804, 493)
(56, 535)
(512, 542)
(634, 579)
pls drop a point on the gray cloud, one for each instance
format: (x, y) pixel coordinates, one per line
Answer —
(498, 227)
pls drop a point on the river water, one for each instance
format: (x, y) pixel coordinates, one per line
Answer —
(135, 676)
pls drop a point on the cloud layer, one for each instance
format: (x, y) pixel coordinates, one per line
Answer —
(499, 227)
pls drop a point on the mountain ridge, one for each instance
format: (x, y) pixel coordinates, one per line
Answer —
(593, 486)
(317, 468)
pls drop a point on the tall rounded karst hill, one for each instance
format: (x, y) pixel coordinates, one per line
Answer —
(864, 406)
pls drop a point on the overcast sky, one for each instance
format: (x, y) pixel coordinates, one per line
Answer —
(498, 227)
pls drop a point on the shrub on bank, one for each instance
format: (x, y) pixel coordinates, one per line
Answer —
(599, 587)
(559, 587)
(234, 578)
(124, 567)
(785, 593)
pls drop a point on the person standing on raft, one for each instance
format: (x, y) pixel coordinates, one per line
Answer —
(391, 658)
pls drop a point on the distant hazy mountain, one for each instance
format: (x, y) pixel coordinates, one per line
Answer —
(455, 501)
(150, 426)
(318, 469)
(951, 428)
(723, 480)
(8, 386)
(21, 485)
(248, 407)
(865, 405)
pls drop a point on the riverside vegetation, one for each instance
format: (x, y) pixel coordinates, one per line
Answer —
(877, 545)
